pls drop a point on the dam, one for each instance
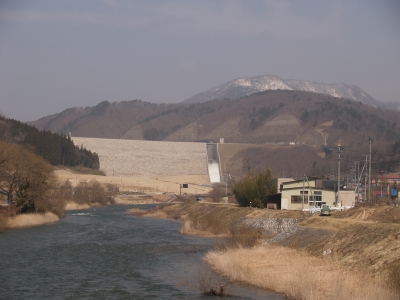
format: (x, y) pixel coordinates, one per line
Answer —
(148, 158)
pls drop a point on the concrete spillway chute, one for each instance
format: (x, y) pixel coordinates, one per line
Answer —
(213, 163)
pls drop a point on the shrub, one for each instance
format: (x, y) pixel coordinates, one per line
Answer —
(88, 192)
(218, 192)
(208, 283)
(254, 187)
(242, 236)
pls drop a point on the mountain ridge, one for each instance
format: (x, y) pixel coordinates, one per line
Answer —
(272, 116)
(246, 86)
(294, 130)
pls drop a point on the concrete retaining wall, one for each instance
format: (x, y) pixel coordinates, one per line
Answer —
(282, 228)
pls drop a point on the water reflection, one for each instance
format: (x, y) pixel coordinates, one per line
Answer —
(105, 253)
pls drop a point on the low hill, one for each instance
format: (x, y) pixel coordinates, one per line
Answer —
(105, 120)
(299, 131)
(58, 149)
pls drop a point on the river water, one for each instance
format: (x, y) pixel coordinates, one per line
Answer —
(105, 253)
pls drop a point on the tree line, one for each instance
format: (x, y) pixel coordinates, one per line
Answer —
(29, 185)
(56, 148)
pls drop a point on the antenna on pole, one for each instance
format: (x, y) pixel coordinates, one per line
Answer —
(366, 177)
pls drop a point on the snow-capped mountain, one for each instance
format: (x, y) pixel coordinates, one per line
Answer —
(246, 86)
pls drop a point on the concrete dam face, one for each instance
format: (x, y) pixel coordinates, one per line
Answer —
(213, 163)
(149, 158)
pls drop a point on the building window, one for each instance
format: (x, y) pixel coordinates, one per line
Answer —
(299, 199)
(316, 199)
(318, 196)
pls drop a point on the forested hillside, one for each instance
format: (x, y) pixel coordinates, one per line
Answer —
(56, 148)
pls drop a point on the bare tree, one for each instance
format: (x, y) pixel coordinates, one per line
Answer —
(218, 192)
(25, 178)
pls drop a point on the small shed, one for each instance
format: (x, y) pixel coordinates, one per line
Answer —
(273, 201)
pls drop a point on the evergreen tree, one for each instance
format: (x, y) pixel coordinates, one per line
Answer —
(56, 148)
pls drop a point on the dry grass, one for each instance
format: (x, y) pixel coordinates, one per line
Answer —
(296, 274)
(212, 220)
(26, 220)
(215, 219)
(3, 222)
(204, 219)
(198, 184)
(240, 236)
(136, 211)
(187, 227)
(321, 270)
(394, 275)
(5, 214)
(71, 205)
(382, 214)
(365, 245)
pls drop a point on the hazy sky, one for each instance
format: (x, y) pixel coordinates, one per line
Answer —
(60, 54)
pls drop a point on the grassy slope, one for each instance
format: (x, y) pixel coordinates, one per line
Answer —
(367, 238)
(351, 255)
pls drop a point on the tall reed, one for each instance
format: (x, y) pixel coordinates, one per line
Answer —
(25, 220)
(297, 274)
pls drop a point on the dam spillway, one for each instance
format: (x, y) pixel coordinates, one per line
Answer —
(213, 163)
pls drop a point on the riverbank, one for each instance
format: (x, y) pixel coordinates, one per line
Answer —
(28, 220)
(351, 255)
(9, 220)
(128, 199)
(297, 274)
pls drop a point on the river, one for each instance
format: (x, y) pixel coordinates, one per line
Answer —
(105, 253)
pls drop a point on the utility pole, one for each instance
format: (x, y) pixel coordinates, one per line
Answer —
(366, 177)
(355, 172)
(227, 179)
(369, 176)
(302, 202)
(357, 180)
(311, 196)
(338, 176)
